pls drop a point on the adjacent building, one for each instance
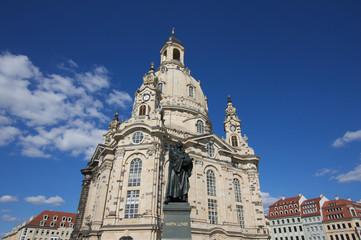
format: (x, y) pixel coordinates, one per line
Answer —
(342, 219)
(48, 225)
(316, 219)
(285, 219)
(312, 218)
(124, 182)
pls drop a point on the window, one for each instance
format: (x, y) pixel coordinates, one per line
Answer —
(295, 228)
(211, 183)
(300, 227)
(210, 150)
(131, 208)
(281, 212)
(349, 225)
(142, 110)
(63, 219)
(52, 224)
(212, 211)
(271, 213)
(286, 212)
(69, 219)
(55, 218)
(62, 224)
(42, 223)
(137, 137)
(176, 54)
(135, 172)
(237, 190)
(70, 225)
(126, 238)
(160, 87)
(353, 212)
(45, 217)
(200, 126)
(291, 211)
(240, 216)
(274, 230)
(234, 141)
(191, 91)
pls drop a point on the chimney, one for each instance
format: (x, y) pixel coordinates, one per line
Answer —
(321, 195)
(283, 197)
(336, 197)
(300, 194)
(349, 198)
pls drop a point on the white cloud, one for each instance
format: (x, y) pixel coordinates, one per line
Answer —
(325, 171)
(8, 198)
(352, 176)
(40, 200)
(9, 218)
(5, 210)
(8, 134)
(348, 137)
(120, 98)
(96, 80)
(60, 112)
(268, 200)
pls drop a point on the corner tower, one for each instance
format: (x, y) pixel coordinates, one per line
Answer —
(125, 180)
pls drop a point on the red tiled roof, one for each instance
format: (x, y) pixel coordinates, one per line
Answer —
(288, 205)
(333, 209)
(51, 214)
(309, 202)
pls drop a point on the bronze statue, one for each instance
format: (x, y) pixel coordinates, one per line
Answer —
(180, 169)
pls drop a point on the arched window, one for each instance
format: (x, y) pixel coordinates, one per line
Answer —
(200, 126)
(234, 141)
(286, 212)
(135, 172)
(281, 212)
(142, 110)
(165, 55)
(160, 87)
(237, 190)
(271, 213)
(191, 91)
(176, 54)
(240, 215)
(291, 211)
(126, 238)
(276, 213)
(211, 183)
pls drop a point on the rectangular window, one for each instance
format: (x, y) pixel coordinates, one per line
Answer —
(212, 211)
(300, 227)
(279, 230)
(347, 236)
(331, 237)
(240, 216)
(343, 225)
(353, 236)
(336, 237)
(274, 230)
(295, 228)
(289, 229)
(342, 237)
(131, 208)
(349, 225)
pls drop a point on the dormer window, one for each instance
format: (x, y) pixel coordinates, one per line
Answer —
(234, 141)
(191, 91)
(69, 219)
(52, 224)
(55, 218)
(42, 223)
(200, 126)
(63, 219)
(45, 217)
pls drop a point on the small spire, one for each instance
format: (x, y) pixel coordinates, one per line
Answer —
(152, 66)
(173, 32)
(229, 98)
(115, 118)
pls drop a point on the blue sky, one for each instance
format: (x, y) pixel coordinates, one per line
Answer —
(292, 68)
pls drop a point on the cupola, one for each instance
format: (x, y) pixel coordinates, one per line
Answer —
(172, 51)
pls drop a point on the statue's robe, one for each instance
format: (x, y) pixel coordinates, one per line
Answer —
(180, 169)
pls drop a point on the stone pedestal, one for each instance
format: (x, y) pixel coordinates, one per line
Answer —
(176, 223)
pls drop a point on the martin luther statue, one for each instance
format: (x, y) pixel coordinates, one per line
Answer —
(180, 169)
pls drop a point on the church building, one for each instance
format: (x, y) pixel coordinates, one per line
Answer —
(124, 183)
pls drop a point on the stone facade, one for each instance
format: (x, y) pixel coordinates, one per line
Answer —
(124, 185)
